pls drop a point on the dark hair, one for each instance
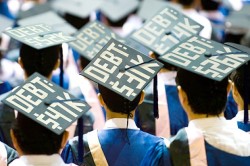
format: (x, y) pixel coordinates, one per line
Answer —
(238, 77)
(117, 103)
(83, 62)
(76, 21)
(186, 2)
(33, 138)
(120, 22)
(210, 5)
(205, 96)
(42, 61)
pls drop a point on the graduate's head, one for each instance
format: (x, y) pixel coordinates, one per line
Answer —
(210, 5)
(203, 95)
(121, 73)
(117, 103)
(186, 2)
(30, 138)
(43, 115)
(43, 61)
(240, 87)
(40, 49)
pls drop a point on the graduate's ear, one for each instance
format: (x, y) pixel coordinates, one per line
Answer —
(142, 97)
(57, 64)
(15, 143)
(20, 62)
(100, 99)
(182, 96)
(64, 139)
(152, 55)
(236, 95)
(229, 85)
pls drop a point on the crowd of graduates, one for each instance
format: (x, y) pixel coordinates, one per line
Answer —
(124, 82)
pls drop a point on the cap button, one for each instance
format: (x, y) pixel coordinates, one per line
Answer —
(207, 54)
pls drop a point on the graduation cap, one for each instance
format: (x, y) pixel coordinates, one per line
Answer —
(91, 38)
(35, 10)
(40, 36)
(116, 10)
(79, 8)
(122, 69)
(166, 29)
(238, 21)
(148, 8)
(76, 12)
(46, 103)
(50, 18)
(205, 57)
(5, 23)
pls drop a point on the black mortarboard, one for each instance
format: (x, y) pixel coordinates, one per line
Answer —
(91, 38)
(237, 22)
(38, 36)
(122, 69)
(46, 103)
(79, 8)
(116, 10)
(166, 29)
(5, 23)
(35, 10)
(49, 18)
(148, 8)
(205, 57)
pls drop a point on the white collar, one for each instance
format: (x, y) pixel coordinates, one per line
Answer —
(54, 159)
(223, 134)
(240, 116)
(168, 77)
(206, 123)
(3, 152)
(120, 123)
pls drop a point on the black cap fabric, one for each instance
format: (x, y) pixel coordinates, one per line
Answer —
(35, 10)
(5, 22)
(206, 57)
(39, 36)
(46, 103)
(91, 38)
(166, 29)
(79, 8)
(115, 10)
(49, 18)
(148, 8)
(122, 69)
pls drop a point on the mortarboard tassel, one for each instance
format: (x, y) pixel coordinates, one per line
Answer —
(246, 96)
(61, 68)
(155, 90)
(80, 140)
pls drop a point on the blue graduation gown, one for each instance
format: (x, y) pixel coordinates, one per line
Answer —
(181, 153)
(122, 147)
(243, 126)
